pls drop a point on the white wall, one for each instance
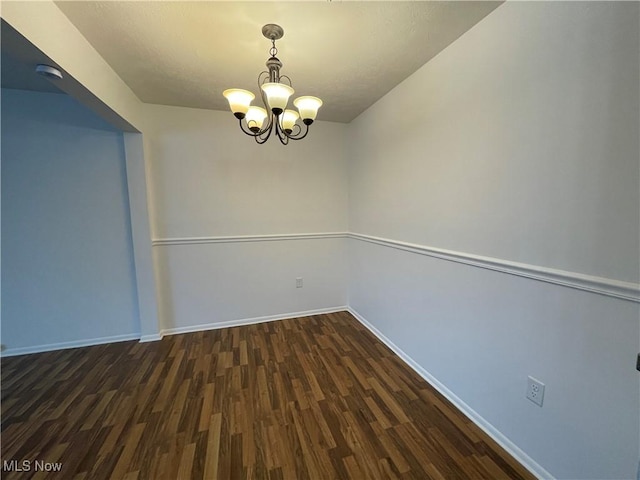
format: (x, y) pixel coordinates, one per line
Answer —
(67, 265)
(211, 181)
(519, 142)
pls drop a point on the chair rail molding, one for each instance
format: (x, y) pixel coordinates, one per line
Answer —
(589, 283)
(246, 238)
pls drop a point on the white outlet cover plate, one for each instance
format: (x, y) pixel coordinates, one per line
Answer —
(535, 390)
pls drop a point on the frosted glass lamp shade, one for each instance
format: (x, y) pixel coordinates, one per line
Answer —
(308, 108)
(239, 101)
(289, 120)
(255, 118)
(277, 96)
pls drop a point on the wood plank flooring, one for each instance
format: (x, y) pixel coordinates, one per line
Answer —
(308, 398)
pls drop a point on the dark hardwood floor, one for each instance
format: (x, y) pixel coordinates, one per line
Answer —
(316, 397)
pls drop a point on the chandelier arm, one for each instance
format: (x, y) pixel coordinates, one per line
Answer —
(287, 77)
(282, 135)
(297, 129)
(245, 131)
(254, 134)
(262, 80)
(279, 132)
(257, 136)
(296, 136)
(259, 139)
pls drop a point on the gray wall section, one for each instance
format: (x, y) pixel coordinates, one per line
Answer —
(67, 257)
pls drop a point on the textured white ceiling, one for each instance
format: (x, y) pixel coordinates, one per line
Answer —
(347, 53)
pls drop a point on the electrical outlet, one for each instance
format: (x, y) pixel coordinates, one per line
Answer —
(299, 282)
(535, 390)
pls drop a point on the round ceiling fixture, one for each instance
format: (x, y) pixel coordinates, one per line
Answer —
(48, 71)
(273, 31)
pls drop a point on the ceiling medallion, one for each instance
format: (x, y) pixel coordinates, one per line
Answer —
(275, 96)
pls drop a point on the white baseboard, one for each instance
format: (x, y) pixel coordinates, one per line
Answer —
(489, 429)
(12, 352)
(151, 338)
(249, 321)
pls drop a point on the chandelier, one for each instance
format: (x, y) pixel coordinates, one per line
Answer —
(275, 96)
